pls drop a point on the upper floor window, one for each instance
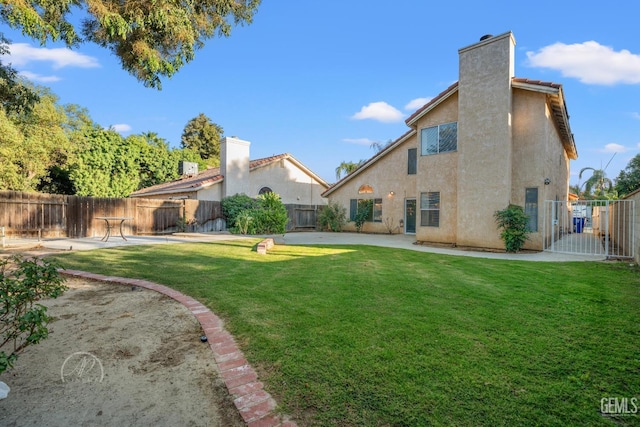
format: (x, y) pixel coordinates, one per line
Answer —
(439, 139)
(265, 190)
(412, 161)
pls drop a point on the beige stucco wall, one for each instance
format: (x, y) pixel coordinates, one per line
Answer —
(234, 166)
(283, 177)
(213, 192)
(439, 172)
(484, 138)
(538, 154)
(388, 175)
(292, 184)
(507, 142)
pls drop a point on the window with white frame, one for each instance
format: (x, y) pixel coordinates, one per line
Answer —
(439, 139)
(430, 209)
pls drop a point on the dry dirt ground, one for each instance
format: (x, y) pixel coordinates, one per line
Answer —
(117, 356)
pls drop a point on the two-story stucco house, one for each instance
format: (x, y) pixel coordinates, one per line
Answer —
(282, 174)
(488, 140)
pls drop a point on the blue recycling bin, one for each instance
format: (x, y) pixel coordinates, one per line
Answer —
(578, 225)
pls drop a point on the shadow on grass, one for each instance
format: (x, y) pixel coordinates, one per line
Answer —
(363, 335)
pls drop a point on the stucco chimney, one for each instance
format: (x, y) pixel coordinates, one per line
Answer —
(234, 166)
(484, 135)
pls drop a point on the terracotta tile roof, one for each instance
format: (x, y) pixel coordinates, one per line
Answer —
(537, 82)
(203, 179)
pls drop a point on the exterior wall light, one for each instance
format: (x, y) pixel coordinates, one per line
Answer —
(547, 181)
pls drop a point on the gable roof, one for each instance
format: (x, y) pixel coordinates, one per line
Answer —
(555, 97)
(212, 176)
(386, 150)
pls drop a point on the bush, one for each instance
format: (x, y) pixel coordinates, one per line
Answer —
(333, 217)
(513, 222)
(23, 321)
(363, 213)
(244, 221)
(270, 217)
(264, 215)
(232, 206)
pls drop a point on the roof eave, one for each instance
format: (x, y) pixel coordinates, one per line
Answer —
(555, 96)
(439, 99)
(178, 189)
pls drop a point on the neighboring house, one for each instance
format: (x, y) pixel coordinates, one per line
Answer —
(488, 140)
(282, 174)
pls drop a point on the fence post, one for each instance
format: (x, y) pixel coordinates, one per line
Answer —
(606, 232)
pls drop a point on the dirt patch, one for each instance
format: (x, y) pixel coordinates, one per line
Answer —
(115, 356)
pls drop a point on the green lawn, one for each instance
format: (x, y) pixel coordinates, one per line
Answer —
(361, 335)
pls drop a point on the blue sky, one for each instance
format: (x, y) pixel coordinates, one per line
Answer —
(323, 80)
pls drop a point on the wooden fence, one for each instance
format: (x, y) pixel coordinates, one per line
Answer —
(50, 215)
(303, 217)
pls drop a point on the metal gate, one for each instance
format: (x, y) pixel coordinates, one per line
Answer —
(590, 227)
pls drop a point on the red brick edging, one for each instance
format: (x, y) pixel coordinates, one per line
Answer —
(256, 406)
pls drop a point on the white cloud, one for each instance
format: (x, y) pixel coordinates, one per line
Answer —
(22, 54)
(121, 127)
(359, 141)
(614, 148)
(589, 62)
(380, 111)
(635, 116)
(414, 104)
(38, 78)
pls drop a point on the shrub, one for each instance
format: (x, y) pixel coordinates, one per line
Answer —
(513, 222)
(264, 215)
(363, 213)
(333, 217)
(232, 206)
(270, 217)
(243, 222)
(23, 321)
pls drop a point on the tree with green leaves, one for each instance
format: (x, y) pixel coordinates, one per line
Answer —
(628, 180)
(152, 38)
(598, 185)
(346, 168)
(106, 165)
(203, 136)
(16, 96)
(157, 163)
(32, 141)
